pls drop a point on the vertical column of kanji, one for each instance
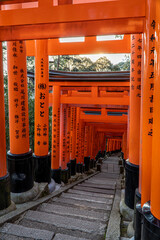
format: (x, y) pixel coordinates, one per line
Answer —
(72, 155)
(86, 141)
(151, 212)
(95, 144)
(68, 132)
(132, 164)
(63, 136)
(5, 200)
(74, 131)
(89, 141)
(82, 140)
(63, 149)
(147, 101)
(68, 122)
(55, 163)
(20, 161)
(72, 140)
(77, 134)
(92, 142)
(41, 139)
(86, 149)
(155, 187)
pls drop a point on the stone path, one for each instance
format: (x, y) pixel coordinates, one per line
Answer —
(81, 213)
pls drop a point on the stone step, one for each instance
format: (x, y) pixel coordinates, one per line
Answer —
(104, 174)
(89, 193)
(99, 186)
(4, 236)
(65, 225)
(24, 232)
(82, 204)
(102, 181)
(66, 237)
(87, 198)
(74, 212)
(94, 190)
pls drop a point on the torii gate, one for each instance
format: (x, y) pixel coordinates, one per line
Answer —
(43, 20)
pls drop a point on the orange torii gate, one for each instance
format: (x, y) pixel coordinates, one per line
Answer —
(91, 19)
(74, 134)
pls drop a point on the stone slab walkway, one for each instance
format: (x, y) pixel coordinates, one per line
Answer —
(81, 213)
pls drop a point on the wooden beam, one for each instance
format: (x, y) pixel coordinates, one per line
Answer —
(89, 46)
(103, 101)
(73, 12)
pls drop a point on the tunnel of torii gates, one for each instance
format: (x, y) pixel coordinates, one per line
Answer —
(77, 131)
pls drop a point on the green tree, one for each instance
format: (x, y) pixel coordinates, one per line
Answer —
(124, 65)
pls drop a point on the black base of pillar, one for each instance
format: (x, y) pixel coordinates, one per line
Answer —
(138, 221)
(131, 183)
(64, 175)
(137, 199)
(5, 200)
(92, 163)
(42, 168)
(100, 160)
(21, 170)
(151, 225)
(122, 155)
(83, 168)
(73, 167)
(99, 167)
(103, 153)
(137, 196)
(124, 162)
(69, 170)
(87, 163)
(79, 167)
(120, 162)
(99, 154)
(56, 175)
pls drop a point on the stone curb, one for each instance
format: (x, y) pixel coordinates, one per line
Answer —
(113, 230)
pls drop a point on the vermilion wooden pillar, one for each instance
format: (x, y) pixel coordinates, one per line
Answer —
(41, 134)
(55, 161)
(86, 141)
(68, 133)
(151, 212)
(77, 133)
(92, 142)
(155, 176)
(5, 200)
(63, 130)
(63, 145)
(147, 102)
(20, 162)
(132, 164)
(82, 140)
(72, 132)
